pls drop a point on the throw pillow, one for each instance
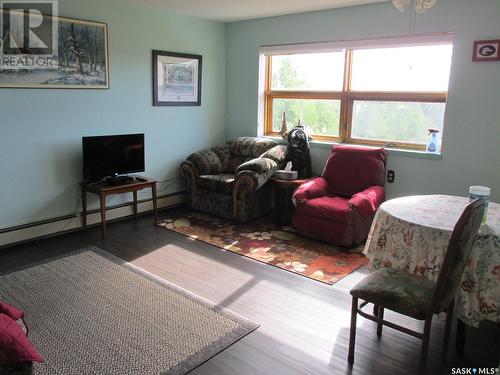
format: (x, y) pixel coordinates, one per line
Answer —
(10, 311)
(14, 345)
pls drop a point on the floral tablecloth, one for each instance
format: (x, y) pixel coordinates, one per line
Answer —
(412, 234)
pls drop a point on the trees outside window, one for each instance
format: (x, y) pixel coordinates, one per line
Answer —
(378, 96)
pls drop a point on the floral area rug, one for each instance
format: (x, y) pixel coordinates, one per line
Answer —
(270, 243)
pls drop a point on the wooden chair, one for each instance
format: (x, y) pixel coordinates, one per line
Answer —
(417, 296)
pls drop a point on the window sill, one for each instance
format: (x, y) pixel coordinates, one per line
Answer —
(391, 151)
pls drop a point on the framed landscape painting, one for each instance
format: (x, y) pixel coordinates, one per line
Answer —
(176, 79)
(78, 57)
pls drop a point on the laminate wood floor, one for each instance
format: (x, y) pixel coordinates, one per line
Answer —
(304, 324)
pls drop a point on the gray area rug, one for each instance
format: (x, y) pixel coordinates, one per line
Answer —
(92, 313)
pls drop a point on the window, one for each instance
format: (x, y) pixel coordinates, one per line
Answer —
(386, 93)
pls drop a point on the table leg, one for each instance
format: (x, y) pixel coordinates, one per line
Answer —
(84, 208)
(102, 197)
(135, 203)
(273, 199)
(155, 205)
(275, 207)
(290, 207)
(460, 340)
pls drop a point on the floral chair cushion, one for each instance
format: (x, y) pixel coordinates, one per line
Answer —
(222, 152)
(223, 183)
(397, 290)
(207, 162)
(234, 163)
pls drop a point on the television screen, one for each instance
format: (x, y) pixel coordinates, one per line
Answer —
(112, 155)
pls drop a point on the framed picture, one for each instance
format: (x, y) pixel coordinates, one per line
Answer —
(176, 79)
(486, 50)
(77, 58)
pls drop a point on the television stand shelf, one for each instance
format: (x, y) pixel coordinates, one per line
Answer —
(102, 189)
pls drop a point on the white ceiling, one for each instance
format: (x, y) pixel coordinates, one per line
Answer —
(237, 10)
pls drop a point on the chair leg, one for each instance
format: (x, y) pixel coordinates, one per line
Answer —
(460, 340)
(447, 329)
(352, 336)
(425, 346)
(379, 324)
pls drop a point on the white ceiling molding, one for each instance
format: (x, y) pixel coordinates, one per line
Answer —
(239, 10)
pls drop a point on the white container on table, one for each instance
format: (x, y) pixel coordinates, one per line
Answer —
(483, 193)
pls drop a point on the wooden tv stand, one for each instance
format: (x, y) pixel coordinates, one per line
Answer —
(102, 189)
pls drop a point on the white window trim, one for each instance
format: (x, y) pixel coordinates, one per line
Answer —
(336, 46)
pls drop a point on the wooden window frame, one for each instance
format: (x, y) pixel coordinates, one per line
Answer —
(347, 98)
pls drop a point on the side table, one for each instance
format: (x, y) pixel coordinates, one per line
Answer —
(281, 200)
(102, 189)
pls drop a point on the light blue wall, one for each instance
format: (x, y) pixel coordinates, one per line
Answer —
(472, 129)
(41, 130)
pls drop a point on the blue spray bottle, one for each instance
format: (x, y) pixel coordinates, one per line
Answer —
(433, 145)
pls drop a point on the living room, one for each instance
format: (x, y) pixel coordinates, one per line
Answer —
(288, 322)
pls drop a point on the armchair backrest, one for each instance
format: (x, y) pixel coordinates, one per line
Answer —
(250, 146)
(352, 169)
(226, 158)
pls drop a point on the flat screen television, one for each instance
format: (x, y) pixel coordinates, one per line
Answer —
(112, 155)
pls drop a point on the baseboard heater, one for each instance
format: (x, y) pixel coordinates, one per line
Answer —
(50, 227)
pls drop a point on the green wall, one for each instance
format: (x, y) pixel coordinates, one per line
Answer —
(472, 124)
(41, 130)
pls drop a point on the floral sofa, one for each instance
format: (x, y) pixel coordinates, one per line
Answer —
(230, 180)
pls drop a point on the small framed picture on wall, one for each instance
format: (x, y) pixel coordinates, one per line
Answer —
(176, 79)
(486, 50)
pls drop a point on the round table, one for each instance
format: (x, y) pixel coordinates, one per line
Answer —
(412, 234)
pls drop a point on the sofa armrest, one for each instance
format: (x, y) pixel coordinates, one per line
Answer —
(248, 180)
(258, 165)
(189, 171)
(206, 162)
(368, 201)
(279, 154)
(315, 188)
(253, 174)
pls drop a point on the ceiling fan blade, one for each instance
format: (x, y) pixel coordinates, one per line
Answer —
(401, 4)
(423, 5)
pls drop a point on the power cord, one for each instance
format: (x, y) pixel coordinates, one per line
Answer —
(69, 221)
(165, 185)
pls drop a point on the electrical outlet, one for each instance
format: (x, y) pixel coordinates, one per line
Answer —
(391, 175)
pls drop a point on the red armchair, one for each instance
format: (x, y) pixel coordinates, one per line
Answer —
(339, 206)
